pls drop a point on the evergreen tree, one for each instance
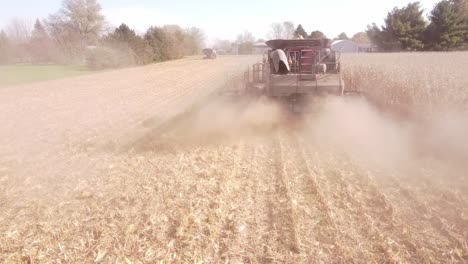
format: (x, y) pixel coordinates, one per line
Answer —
(462, 5)
(342, 36)
(39, 31)
(317, 35)
(159, 41)
(448, 28)
(300, 32)
(124, 38)
(403, 30)
(41, 44)
(123, 34)
(361, 38)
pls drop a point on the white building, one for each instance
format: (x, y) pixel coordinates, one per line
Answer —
(235, 49)
(348, 46)
(260, 47)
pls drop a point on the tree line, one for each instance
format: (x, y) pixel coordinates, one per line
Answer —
(360, 37)
(78, 33)
(406, 29)
(285, 30)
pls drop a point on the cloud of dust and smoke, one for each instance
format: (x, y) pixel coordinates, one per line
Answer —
(350, 125)
(370, 136)
(236, 117)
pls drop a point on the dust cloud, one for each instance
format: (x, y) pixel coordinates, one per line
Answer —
(232, 118)
(387, 142)
(350, 126)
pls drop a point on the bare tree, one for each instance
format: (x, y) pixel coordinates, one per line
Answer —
(245, 37)
(19, 30)
(195, 39)
(289, 29)
(245, 41)
(176, 37)
(4, 48)
(276, 31)
(69, 42)
(75, 26)
(19, 34)
(221, 44)
(80, 18)
(283, 30)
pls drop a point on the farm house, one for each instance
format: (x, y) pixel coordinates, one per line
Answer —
(348, 46)
(260, 47)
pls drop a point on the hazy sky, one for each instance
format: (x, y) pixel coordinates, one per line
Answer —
(226, 19)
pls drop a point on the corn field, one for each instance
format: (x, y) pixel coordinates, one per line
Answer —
(137, 166)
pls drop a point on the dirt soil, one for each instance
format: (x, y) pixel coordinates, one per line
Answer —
(138, 166)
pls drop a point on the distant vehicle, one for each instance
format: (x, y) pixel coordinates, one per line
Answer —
(209, 54)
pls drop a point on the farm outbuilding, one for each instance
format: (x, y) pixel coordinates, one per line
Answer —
(348, 46)
(260, 47)
(235, 49)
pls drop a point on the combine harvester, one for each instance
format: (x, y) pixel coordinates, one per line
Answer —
(296, 71)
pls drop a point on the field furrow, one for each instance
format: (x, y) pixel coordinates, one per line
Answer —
(154, 165)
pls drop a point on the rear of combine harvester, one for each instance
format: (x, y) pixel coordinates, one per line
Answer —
(296, 71)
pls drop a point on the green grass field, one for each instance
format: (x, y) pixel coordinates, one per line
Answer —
(18, 74)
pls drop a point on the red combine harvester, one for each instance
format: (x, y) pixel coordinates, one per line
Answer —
(296, 70)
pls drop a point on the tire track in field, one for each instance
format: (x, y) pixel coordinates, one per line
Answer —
(318, 235)
(349, 216)
(409, 220)
(451, 209)
(448, 205)
(366, 217)
(280, 240)
(235, 188)
(213, 219)
(247, 233)
(364, 207)
(269, 250)
(245, 247)
(382, 208)
(262, 235)
(288, 230)
(192, 201)
(417, 209)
